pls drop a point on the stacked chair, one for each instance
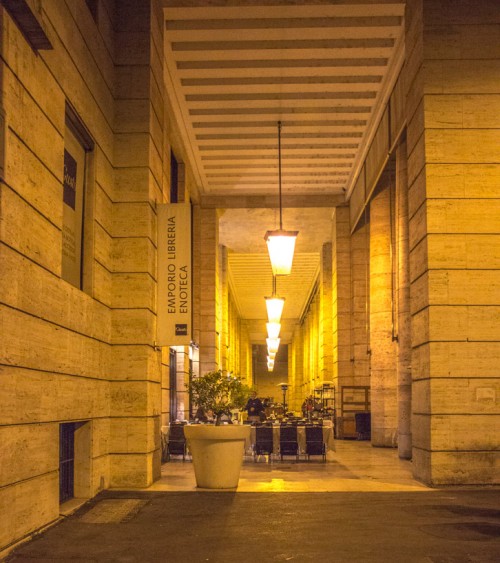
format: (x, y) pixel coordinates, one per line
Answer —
(314, 441)
(288, 441)
(176, 442)
(263, 441)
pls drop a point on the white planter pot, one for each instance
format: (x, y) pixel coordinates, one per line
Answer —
(217, 453)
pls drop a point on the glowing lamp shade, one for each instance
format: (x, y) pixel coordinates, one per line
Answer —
(281, 246)
(272, 344)
(270, 366)
(273, 330)
(271, 356)
(274, 307)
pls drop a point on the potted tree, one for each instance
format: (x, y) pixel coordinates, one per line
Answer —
(218, 449)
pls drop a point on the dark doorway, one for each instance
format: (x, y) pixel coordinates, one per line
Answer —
(66, 461)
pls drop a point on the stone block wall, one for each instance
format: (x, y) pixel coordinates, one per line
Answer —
(66, 354)
(341, 298)
(55, 348)
(453, 103)
(383, 375)
(326, 313)
(207, 325)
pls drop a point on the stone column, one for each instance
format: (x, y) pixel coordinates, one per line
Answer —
(326, 336)
(452, 85)
(224, 308)
(245, 354)
(206, 287)
(383, 365)
(403, 306)
(135, 388)
(296, 367)
(360, 358)
(341, 297)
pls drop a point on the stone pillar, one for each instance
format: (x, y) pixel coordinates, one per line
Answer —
(206, 287)
(224, 308)
(135, 389)
(341, 297)
(360, 358)
(296, 368)
(382, 347)
(326, 336)
(451, 78)
(245, 354)
(403, 306)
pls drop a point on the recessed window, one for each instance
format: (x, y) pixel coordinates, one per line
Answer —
(78, 147)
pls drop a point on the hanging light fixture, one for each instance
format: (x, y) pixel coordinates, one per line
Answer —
(274, 308)
(281, 243)
(272, 344)
(273, 329)
(274, 305)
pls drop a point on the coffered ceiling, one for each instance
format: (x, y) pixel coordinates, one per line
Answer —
(235, 68)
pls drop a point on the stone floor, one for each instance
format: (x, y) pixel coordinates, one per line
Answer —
(354, 466)
(360, 506)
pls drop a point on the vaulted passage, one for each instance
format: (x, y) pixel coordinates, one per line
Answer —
(146, 150)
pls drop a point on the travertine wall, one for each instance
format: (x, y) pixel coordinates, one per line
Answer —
(245, 351)
(360, 308)
(138, 159)
(402, 303)
(55, 349)
(308, 354)
(207, 324)
(326, 313)
(296, 369)
(383, 375)
(65, 354)
(453, 104)
(341, 298)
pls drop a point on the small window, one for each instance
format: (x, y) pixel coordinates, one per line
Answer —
(174, 179)
(78, 147)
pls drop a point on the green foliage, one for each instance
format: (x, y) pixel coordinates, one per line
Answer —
(219, 392)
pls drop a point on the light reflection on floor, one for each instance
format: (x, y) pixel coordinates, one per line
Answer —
(354, 466)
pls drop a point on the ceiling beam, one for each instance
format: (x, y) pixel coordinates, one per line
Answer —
(270, 201)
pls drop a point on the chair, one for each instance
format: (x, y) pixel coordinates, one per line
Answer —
(263, 441)
(314, 441)
(176, 441)
(288, 441)
(363, 425)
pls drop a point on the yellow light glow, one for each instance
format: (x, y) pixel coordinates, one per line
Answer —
(274, 307)
(281, 246)
(273, 330)
(271, 356)
(272, 344)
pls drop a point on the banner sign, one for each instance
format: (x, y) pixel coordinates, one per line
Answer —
(173, 325)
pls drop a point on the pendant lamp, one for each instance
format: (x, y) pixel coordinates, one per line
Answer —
(274, 306)
(272, 344)
(273, 329)
(281, 243)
